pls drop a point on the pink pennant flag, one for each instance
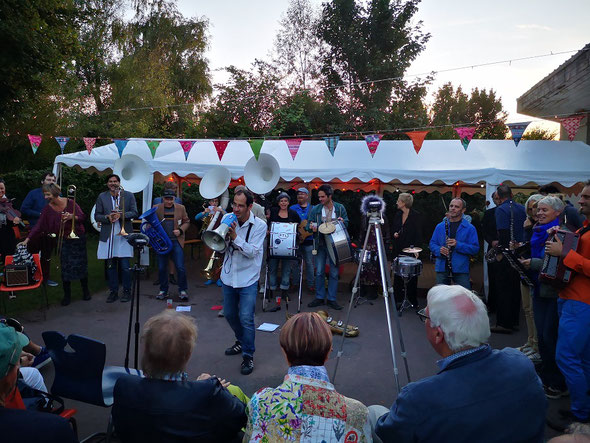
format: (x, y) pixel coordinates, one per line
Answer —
(187, 145)
(465, 134)
(571, 125)
(417, 138)
(293, 145)
(35, 141)
(372, 141)
(89, 142)
(220, 147)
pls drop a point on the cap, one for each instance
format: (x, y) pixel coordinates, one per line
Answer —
(283, 195)
(304, 190)
(11, 345)
(169, 193)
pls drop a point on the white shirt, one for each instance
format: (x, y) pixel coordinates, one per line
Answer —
(242, 261)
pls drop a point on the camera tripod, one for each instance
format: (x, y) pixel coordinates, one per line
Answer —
(375, 222)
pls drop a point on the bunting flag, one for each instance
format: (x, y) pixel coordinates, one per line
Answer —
(220, 147)
(293, 145)
(35, 142)
(120, 143)
(465, 134)
(186, 146)
(256, 146)
(571, 125)
(63, 141)
(417, 138)
(153, 145)
(372, 141)
(332, 142)
(89, 142)
(517, 129)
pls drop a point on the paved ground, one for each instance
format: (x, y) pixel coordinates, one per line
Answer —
(365, 370)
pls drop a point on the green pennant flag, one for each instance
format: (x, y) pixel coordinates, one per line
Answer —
(256, 146)
(153, 145)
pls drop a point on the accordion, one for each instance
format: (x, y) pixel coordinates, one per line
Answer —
(554, 272)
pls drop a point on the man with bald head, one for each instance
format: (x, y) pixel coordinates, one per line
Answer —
(478, 394)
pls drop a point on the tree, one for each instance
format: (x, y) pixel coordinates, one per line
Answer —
(540, 134)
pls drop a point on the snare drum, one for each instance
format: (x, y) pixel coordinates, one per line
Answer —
(283, 240)
(338, 244)
(407, 267)
(369, 257)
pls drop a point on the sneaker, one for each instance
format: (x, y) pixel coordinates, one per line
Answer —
(247, 365)
(183, 296)
(524, 348)
(221, 314)
(334, 305)
(52, 283)
(535, 357)
(317, 302)
(161, 295)
(126, 297)
(235, 349)
(209, 282)
(218, 283)
(42, 359)
(555, 393)
(112, 297)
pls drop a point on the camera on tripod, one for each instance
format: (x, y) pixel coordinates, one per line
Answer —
(374, 209)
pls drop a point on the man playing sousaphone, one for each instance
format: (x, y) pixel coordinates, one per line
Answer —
(321, 223)
(206, 215)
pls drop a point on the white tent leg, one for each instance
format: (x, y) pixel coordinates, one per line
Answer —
(490, 189)
(147, 204)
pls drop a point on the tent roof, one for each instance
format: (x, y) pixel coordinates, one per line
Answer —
(492, 161)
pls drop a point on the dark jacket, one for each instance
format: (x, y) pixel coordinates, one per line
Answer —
(410, 233)
(489, 231)
(154, 410)
(33, 205)
(104, 206)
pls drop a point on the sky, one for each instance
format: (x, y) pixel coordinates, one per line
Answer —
(464, 33)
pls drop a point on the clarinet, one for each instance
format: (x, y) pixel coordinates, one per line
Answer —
(450, 253)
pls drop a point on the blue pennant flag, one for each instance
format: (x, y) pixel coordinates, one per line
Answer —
(63, 141)
(332, 142)
(120, 144)
(517, 129)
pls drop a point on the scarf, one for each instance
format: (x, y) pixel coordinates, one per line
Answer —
(317, 372)
(539, 238)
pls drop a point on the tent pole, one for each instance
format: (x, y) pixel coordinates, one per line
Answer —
(490, 189)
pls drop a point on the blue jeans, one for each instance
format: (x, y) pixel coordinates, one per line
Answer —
(113, 275)
(573, 353)
(177, 256)
(321, 259)
(462, 279)
(273, 269)
(305, 251)
(547, 322)
(238, 307)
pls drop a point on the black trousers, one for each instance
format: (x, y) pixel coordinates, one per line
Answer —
(492, 301)
(508, 295)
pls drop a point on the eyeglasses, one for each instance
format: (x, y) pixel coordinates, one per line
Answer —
(422, 315)
(237, 205)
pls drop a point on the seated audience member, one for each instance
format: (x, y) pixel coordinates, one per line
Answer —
(22, 425)
(478, 394)
(167, 407)
(305, 407)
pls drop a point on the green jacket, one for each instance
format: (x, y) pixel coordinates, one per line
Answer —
(315, 215)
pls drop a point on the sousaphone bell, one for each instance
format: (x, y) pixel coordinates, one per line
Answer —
(262, 175)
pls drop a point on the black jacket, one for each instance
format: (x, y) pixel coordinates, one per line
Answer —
(410, 233)
(490, 233)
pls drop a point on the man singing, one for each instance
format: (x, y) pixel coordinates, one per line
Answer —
(452, 242)
(239, 275)
(109, 205)
(325, 212)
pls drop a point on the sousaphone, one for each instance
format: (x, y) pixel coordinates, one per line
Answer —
(134, 173)
(262, 175)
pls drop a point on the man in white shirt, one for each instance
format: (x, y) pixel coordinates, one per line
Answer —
(239, 275)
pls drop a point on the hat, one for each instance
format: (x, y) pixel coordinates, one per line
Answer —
(283, 195)
(169, 193)
(304, 190)
(11, 345)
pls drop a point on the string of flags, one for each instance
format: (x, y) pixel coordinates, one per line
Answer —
(571, 124)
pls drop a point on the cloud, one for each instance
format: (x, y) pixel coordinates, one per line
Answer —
(534, 27)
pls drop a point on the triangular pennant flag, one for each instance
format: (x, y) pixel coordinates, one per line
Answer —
(293, 145)
(465, 134)
(332, 142)
(372, 141)
(62, 142)
(220, 146)
(153, 145)
(35, 142)
(571, 125)
(120, 143)
(517, 129)
(417, 138)
(256, 146)
(186, 146)
(89, 142)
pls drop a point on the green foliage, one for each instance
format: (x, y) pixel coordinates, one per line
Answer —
(540, 134)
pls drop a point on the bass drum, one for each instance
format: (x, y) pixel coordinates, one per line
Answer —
(95, 224)
(283, 240)
(338, 244)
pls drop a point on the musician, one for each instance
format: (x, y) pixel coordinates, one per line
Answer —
(109, 205)
(175, 223)
(327, 211)
(210, 211)
(31, 209)
(407, 232)
(303, 208)
(7, 235)
(570, 216)
(573, 343)
(452, 242)
(239, 275)
(490, 235)
(510, 217)
(282, 214)
(172, 186)
(56, 218)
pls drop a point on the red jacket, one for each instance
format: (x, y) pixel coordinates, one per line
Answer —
(579, 261)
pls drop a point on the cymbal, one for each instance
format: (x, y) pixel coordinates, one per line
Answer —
(412, 250)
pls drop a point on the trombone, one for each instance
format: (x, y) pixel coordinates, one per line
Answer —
(62, 224)
(122, 202)
(72, 191)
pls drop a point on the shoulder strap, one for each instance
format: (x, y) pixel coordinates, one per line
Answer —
(582, 231)
(248, 232)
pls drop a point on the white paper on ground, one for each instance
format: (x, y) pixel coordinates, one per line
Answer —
(183, 309)
(267, 327)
